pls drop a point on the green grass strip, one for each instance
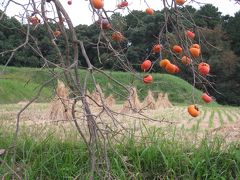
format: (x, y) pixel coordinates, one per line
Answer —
(219, 112)
(229, 117)
(210, 124)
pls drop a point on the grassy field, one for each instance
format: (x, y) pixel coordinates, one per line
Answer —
(20, 84)
(157, 156)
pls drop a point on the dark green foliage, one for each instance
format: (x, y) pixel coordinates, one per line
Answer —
(231, 26)
(208, 16)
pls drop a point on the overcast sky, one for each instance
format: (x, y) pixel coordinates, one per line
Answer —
(80, 13)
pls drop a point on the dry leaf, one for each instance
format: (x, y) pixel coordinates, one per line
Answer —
(2, 151)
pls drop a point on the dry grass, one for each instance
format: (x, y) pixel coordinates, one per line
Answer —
(230, 131)
(133, 103)
(97, 96)
(163, 101)
(36, 118)
(110, 101)
(149, 101)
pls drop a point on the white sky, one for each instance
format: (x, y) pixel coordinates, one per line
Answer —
(80, 13)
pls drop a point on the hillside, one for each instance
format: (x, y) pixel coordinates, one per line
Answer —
(20, 84)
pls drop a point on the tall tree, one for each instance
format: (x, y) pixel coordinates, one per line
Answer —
(231, 26)
(208, 16)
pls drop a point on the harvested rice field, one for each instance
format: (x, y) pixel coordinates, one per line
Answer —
(220, 119)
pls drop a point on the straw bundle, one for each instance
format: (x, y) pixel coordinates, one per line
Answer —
(60, 106)
(168, 104)
(163, 101)
(97, 95)
(133, 104)
(110, 101)
(149, 101)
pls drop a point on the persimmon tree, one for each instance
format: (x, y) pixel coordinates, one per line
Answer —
(178, 40)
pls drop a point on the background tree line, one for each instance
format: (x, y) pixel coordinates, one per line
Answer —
(219, 37)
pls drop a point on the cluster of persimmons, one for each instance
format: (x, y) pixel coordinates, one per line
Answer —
(195, 51)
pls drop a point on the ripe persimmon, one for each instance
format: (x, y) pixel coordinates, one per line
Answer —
(163, 63)
(186, 60)
(177, 70)
(117, 36)
(206, 98)
(193, 110)
(98, 4)
(149, 11)
(177, 49)
(57, 33)
(156, 48)
(203, 68)
(170, 68)
(34, 20)
(190, 34)
(195, 46)
(195, 52)
(104, 23)
(180, 2)
(146, 65)
(147, 79)
(122, 4)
